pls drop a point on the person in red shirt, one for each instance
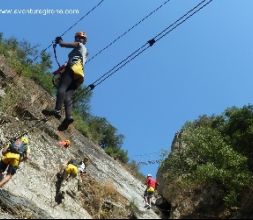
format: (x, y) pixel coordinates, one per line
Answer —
(149, 192)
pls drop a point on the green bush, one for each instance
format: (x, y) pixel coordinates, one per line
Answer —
(81, 125)
(213, 153)
(10, 99)
(117, 154)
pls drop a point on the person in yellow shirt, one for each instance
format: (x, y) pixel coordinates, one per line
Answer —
(12, 155)
(71, 169)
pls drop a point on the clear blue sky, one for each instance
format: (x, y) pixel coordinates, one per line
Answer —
(203, 67)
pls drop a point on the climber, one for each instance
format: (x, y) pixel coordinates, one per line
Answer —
(12, 155)
(72, 168)
(149, 192)
(71, 78)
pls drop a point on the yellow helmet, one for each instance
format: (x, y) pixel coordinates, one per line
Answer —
(24, 139)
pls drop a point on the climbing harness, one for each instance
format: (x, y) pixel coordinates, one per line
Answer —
(57, 75)
(76, 67)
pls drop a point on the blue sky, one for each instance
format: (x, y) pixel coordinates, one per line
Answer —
(202, 67)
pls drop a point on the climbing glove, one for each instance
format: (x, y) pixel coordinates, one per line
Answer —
(58, 39)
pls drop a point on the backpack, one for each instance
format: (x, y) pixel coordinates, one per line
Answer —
(18, 148)
(73, 162)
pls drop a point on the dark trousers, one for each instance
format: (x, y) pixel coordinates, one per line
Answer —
(66, 91)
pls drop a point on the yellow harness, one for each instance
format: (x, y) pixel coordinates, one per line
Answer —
(11, 159)
(77, 69)
(150, 189)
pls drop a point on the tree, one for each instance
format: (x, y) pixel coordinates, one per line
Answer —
(26, 52)
(238, 128)
(81, 101)
(1, 37)
(104, 133)
(45, 63)
(208, 156)
(118, 154)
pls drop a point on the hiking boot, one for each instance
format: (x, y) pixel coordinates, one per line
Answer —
(146, 206)
(55, 113)
(59, 176)
(65, 124)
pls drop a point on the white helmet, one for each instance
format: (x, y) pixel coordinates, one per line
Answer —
(149, 175)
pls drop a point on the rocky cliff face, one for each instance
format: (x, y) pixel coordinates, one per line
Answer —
(198, 201)
(31, 192)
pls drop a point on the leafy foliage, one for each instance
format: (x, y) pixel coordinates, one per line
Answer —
(117, 153)
(104, 133)
(81, 101)
(217, 150)
(20, 56)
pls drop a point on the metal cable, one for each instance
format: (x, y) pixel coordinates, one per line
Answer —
(127, 31)
(150, 43)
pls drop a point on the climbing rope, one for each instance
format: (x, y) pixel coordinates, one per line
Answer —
(55, 55)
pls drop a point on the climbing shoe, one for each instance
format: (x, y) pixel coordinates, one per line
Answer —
(65, 124)
(55, 113)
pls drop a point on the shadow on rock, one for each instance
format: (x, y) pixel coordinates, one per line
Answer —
(59, 196)
(21, 207)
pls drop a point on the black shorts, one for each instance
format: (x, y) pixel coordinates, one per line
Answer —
(148, 194)
(10, 171)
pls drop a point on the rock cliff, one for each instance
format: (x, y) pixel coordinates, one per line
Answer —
(106, 191)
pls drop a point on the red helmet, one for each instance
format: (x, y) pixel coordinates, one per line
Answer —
(81, 34)
(67, 142)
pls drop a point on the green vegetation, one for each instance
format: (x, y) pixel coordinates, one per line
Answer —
(21, 57)
(216, 150)
(134, 168)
